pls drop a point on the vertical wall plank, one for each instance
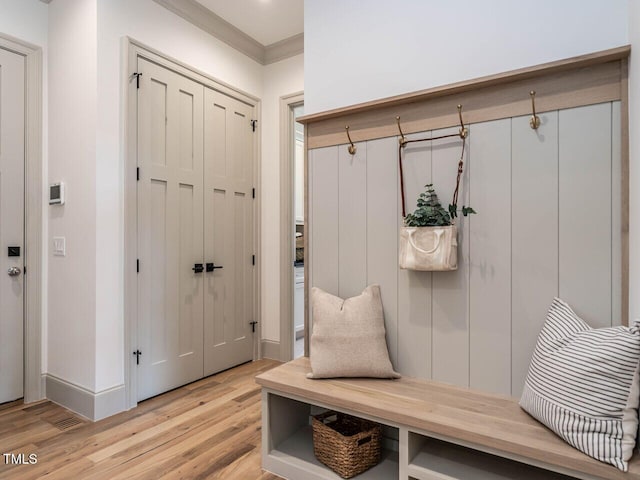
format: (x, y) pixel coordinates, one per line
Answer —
(534, 227)
(414, 288)
(324, 205)
(585, 211)
(352, 201)
(490, 257)
(450, 295)
(616, 215)
(382, 234)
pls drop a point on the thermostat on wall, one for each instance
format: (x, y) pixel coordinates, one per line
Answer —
(56, 194)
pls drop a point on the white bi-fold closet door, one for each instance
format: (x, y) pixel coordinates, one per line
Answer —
(195, 230)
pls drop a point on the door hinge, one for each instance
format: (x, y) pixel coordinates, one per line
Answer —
(137, 265)
(137, 354)
(138, 174)
(137, 77)
(253, 326)
(253, 125)
(253, 259)
(253, 193)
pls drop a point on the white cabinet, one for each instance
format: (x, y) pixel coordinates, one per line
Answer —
(298, 302)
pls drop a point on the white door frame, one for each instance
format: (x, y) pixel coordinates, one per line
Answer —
(287, 171)
(33, 382)
(132, 49)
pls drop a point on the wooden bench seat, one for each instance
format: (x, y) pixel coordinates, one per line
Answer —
(480, 421)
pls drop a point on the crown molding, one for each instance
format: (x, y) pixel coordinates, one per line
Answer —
(289, 47)
(217, 26)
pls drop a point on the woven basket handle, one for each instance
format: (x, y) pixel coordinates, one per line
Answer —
(428, 252)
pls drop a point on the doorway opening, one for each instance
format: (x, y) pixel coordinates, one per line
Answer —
(298, 263)
(292, 227)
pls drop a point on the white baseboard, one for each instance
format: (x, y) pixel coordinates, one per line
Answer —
(271, 349)
(94, 406)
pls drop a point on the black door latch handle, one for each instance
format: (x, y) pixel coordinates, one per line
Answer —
(212, 266)
(198, 268)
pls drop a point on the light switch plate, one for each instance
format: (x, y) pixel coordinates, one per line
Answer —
(59, 246)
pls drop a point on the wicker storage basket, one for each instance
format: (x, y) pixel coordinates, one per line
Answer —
(347, 445)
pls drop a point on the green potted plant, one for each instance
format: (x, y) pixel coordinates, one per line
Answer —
(429, 240)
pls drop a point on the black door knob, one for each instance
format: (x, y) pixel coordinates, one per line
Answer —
(212, 266)
(198, 268)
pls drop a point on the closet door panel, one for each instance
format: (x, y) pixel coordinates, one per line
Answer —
(382, 237)
(585, 211)
(490, 257)
(352, 228)
(324, 206)
(616, 215)
(414, 288)
(534, 227)
(450, 291)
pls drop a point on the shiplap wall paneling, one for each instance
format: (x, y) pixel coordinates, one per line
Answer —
(414, 288)
(534, 227)
(352, 225)
(616, 215)
(490, 256)
(585, 211)
(450, 290)
(382, 232)
(323, 163)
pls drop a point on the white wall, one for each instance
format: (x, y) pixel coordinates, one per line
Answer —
(72, 154)
(354, 54)
(634, 160)
(280, 79)
(27, 20)
(85, 288)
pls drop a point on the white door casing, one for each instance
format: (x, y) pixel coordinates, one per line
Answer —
(170, 230)
(12, 165)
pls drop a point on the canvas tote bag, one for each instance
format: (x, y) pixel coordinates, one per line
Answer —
(431, 249)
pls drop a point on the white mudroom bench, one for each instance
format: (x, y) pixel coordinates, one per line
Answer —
(433, 431)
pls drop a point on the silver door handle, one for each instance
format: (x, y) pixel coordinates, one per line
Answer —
(14, 271)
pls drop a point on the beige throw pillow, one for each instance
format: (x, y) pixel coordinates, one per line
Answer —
(348, 338)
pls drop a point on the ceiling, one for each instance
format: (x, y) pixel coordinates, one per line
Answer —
(266, 21)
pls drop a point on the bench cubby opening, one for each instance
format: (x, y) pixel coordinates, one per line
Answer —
(288, 446)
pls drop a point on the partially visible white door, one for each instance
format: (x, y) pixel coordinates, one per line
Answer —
(228, 234)
(12, 151)
(170, 229)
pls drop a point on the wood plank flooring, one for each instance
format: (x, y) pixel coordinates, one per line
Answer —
(209, 429)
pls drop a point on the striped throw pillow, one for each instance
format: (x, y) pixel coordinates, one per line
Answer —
(583, 384)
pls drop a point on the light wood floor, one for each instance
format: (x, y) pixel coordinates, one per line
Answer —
(208, 429)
